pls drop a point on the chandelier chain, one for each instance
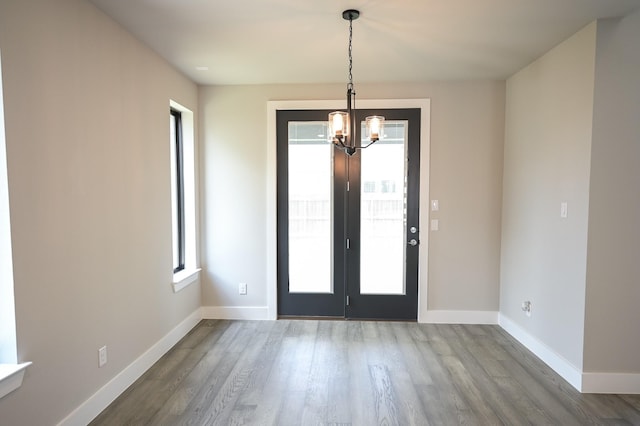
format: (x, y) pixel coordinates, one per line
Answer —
(350, 86)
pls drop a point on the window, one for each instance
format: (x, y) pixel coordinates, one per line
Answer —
(177, 190)
(11, 373)
(369, 187)
(388, 186)
(183, 200)
(7, 310)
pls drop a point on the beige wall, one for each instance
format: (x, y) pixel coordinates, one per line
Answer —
(467, 122)
(86, 109)
(612, 324)
(547, 155)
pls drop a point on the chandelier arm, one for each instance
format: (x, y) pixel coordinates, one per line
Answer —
(340, 143)
(368, 145)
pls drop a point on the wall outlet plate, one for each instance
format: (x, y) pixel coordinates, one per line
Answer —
(102, 356)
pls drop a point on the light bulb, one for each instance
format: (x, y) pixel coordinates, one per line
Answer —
(338, 124)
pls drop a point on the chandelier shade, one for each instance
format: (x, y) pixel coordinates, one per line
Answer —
(374, 127)
(338, 124)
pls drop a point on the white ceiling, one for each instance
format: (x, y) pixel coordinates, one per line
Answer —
(305, 41)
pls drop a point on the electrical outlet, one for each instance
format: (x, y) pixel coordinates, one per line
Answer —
(102, 356)
(242, 288)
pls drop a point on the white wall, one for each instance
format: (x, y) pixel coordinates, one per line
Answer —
(86, 108)
(467, 125)
(612, 325)
(549, 109)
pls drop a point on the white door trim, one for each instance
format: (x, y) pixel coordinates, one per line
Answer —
(271, 189)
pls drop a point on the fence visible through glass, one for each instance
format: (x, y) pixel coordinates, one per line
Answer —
(310, 177)
(383, 212)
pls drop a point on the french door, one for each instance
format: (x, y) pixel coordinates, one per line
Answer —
(348, 225)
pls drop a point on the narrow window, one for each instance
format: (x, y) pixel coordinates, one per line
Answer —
(8, 353)
(177, 190)
(11, 373)
(183, 196)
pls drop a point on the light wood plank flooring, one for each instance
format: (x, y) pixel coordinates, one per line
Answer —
(359, 373)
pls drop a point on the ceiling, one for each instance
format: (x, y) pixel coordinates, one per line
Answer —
(305, 41)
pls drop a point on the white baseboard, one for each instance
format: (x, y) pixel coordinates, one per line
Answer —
(236, 312)
(109, 392)
(558, 363)
(460, 317)
(618, 383)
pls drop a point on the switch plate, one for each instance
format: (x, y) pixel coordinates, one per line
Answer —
(242, 288)
(435, 224)
(435, 205)
(564, 210)
(102, 356)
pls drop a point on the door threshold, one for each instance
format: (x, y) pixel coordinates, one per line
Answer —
(325, 318)
(318, 318)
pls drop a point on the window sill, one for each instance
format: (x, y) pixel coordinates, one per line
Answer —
(11, 376)
(185, 278)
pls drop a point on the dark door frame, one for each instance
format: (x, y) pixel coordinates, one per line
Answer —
(344, 301)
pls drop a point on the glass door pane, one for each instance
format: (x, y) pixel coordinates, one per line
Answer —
(310, 208)
(174, 192)
(383, 212)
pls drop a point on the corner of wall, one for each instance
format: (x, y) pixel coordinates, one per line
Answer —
(549, 117)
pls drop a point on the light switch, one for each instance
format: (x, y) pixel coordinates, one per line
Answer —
(435, 205)
(435, 224)
(564, 210)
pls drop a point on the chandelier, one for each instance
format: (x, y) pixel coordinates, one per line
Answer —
(342, 125)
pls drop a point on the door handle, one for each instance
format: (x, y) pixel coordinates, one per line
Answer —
(413, 242)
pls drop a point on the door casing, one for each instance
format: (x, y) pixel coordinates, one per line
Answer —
(270, 311)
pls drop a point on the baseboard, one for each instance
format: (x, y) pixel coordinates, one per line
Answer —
(550, 357)
(236, 312)
(460, 317)
(109, 392)
(617, 383)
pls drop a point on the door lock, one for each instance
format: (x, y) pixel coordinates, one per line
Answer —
(413, 242)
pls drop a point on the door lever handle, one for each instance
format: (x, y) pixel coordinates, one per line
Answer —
(413, 242)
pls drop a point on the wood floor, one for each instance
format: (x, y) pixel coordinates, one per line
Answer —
(321, 373)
